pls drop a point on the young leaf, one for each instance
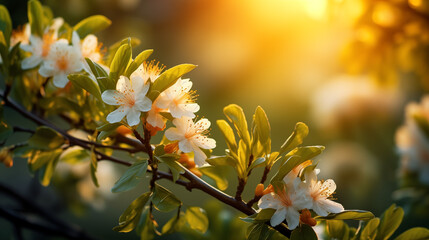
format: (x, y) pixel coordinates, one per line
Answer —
(35, 17)
(103, 80)
(235, 114)
(258, 231)
(75, 155)
(417, 233)
(174, 224)
(145, 227)
(168, 78)
(175, 167)
(85, 83)
(290, 163)
(304, 232)
(262, 216)
(91, 25)
(109, 127)
(370, 229)
(138, 61)
(217, 175)
(257, 163)
(221, 161)
(307, 152)
(164, 200)
(5, 24)
(48, 169)
(93, 168)
(45, 138)
(296, 138)
(263, 126)
(197, 219)
(228, 134)
(349, 215)
(120, 62)
(337, 229)
(134, 174)
(390, 221)
(129, 219)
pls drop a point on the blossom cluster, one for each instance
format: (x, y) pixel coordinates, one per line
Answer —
(299, 195)
(56, 57)
(412, 140)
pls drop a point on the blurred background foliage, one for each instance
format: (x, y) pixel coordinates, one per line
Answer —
(346, 68)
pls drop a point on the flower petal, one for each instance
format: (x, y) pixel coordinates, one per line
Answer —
(155, 119)
(186, 146)
(268, 201)
(199, 156)
(31, 62)
(173, 134)
(133, 117)
(112, 97)
(278, 216)
(330, 187)
(143, 104)
(137, 84)
(292, 218)
(117, 115)
(60, 80)
(123, 84)
(205, 142)
(330, 206)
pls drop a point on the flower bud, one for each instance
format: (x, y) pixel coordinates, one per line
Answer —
(196, 172)
(123, 130)
(306, 218)
(172, 147)
(259, 190)
(190, 163)
(268, 190)
(5, 157)
(153, 130)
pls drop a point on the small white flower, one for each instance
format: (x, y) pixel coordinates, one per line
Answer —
(131, 97)
(154, 118)
(179, 99)
(191, 137)
(319, 193)
(287, 204)
(62, 60)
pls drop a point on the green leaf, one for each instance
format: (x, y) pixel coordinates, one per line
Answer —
(349, 215)
(138, 61)
(258, 231)
(5, 24)
(370, 229)
(129, 219)
(235, 114)
(290, 163)
(263, 128)
(145, 227)
(45, 138)
(337, 229)
(75, 155)
(91, 25)
(175, 167)
(217, 174)
(221, 161)
(228, 134)
(85, 83)
(174, 224)
(120, 62)
(257, 163)
(5, 131)
(109, 127)
(103, 80)
(304, 232)
(134, 174)
(197, 219)
(307, 152)
(93, 168)
(168, 78)
(164, 200)
(262, 216)
(105, 134)
(417, 233)
(296, 138)
(50, 160)
(35, 17)
(390, 221)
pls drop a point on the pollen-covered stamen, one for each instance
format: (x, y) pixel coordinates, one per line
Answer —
(152, 69)
(322, 190)
(48, 39)
(284, 198)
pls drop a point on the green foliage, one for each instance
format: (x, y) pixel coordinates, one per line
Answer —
(5, 25)
(46, 138)
(262, 216)
(134, 174)
(337, 229)
(36, 17)
(175, 167)
(91, 25)
(235, 115)
(258, 231)
(130, 218)
(85, 83)
(228, 134)
(45, 162)
(390, 221)
(138, 61)
(417, 233)
(263, 129)
(197, 219)
(349, 215)
(370, 229)
(304, 232)
(296, 138)
(168, 79)
(100, 74)
(163, 200)
(217, 174)
(93, 168)
(75, 156)
(146, 227)
(120, 62)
